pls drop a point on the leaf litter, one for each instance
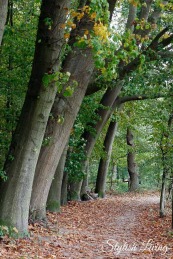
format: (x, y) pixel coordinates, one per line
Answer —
(119, 226)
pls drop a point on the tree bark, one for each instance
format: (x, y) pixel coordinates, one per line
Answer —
(163, 195)
(166, 167)
(114, 175)
(104, 162)
(85, 181)
(112, 4)
(131, 164)
(74, 191)
(26, 143)
(3, 16)
(54, 197)
(79, 63)
(64, 187)
(109, 101)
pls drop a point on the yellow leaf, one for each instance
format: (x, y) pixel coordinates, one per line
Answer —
(93, 15)
(86, 32)
(73, 26)
(67, 35)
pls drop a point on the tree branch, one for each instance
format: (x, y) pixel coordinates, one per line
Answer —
(131, 17)
(153, 45)
(145, 10)
(141, 97)
(166, 42)
(112, 4)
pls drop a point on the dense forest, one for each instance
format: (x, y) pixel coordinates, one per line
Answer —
(86, 103)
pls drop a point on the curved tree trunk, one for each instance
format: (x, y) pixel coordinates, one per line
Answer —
(131, 164)
(3, 16)
(104, 162)
(79, 63)
(54, 197)
(109, 101)
(27, 140)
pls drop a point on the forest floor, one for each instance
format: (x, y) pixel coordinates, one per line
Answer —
(119, 226)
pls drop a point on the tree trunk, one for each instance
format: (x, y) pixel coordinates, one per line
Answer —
(75, 189)
(79, 63)
(112, 4)
(134, 179)
(85, 181)
(26, 143)
(3, 16)
(163, 195)
(114, 175)
(104, 162)
(109, 101)
(54, 197)
(166, 167)
(64, 188)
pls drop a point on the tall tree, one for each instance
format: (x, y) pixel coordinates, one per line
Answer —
(3, 15)
(126, 69)
(104, 162)
(26, 143)
(165, 149)
(79, 63)
(131, 163)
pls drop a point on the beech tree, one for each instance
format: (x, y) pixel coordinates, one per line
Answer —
(157, 45)
(26, 143)
(79, 64)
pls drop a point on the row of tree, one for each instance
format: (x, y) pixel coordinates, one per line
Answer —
(90, 60)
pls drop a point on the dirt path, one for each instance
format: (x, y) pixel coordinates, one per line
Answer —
(125, 226)
(112, 228)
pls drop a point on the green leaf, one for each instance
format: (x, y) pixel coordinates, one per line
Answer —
(68, 91)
